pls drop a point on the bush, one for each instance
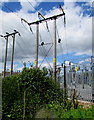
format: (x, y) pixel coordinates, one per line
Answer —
(24, 94)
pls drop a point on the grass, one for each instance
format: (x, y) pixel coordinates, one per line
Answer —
(79, 113)
(62, 113)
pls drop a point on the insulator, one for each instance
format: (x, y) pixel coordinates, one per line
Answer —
(42, 43)
(59, 40)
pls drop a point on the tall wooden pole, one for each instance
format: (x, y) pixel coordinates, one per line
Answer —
(37, 44)
(12, 54)
(54, 51)
(5, 56)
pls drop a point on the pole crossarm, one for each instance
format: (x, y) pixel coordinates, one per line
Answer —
(15, 32)
(46, 19)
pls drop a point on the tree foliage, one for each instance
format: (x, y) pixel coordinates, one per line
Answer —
(39, 90)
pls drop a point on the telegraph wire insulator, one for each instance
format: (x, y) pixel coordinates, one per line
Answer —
(7, 33)
(64, 21)
(59, 40)
(42, 43)
(64, 15)
(24, 20)
(39, 14)
(61, 8)
(1, 36)
(19, 34)
(30, 29)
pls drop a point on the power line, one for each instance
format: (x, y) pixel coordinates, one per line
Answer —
(61, 9)
(31, 5)
(46, 59)
(45, 56)
(38, 13)
(15, 14)
(44, 50)
(11, 10)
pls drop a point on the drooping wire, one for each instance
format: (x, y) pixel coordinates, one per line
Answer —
(16, 15)
(59, 41)
(44, 27)
(64, 21)
(44, 51)
(45, 56)
(10, 10)
(47, 28)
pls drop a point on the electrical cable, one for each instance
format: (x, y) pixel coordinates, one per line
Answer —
(45, 56)
(38, 12)
(16, 15)
(44, 51)
(46, 59)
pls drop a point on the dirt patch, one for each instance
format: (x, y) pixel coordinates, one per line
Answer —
(85, 104)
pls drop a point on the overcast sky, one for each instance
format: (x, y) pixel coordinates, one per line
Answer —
(76, 38)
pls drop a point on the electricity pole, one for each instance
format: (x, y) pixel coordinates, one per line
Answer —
(13, 36)
(54, 51)
(37, 44)
(5, 56)
(5, 60)
(37, 37)
(12, 54)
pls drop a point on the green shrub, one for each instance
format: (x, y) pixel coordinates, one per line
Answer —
(30, 90)
(78, 113)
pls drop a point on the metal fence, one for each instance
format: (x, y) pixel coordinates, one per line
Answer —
(80, 78)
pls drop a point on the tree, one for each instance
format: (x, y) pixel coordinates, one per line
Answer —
(28, 92)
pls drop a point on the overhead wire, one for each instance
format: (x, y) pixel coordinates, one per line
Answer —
(46, 58)
(44, 27)
(46, 55)
(64, 21)
(16, 15)
(44, 52)
(38, 12)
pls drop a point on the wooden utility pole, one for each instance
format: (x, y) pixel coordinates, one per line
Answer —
(5, 56)
(54, 51)
(6, 37)
(37, 38)
(12, 54)
(37, 44)
(13, 36)
(5, 59)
